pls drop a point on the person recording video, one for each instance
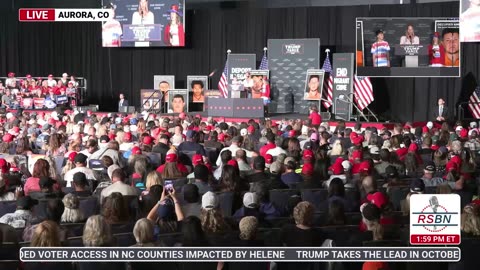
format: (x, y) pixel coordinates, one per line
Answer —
(409, 38)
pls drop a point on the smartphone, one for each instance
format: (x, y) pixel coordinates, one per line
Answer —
(169, 185)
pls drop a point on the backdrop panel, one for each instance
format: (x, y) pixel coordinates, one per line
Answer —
(289, 60)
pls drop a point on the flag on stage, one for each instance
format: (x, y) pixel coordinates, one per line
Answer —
(327, 83)
(363, 92)
(264, 62)
(474, 105)
(223, 83)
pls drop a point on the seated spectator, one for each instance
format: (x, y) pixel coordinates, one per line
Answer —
(202, 176)
(191, 144)
(172, 169)
(248, 232)
(144, 233)
(225, 156)
(251, 207)
(336, 192)
(192, 233)
(72, 212)
(167, 213)
(80, 166)
(115, 209)
(258, 173)
(97, 232)
(70, 163)
(267, 209)
(470, 221)
(213, 222)
(46, 189)
(241, 158)
(380, 200)
(5, 195)
(41, 168)
(191, 198)
(230, 181)
(53, 212)
(309, 182)
(428, 175)
(118, 185)
(22, 216)
(336, 214)
(374, 231)
(46, 234)
(290, 177)
(302, 234)
(80, 184)
(153, 178)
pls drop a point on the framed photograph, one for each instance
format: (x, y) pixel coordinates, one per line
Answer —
(164, 83)
(178, 101)
(314, 84)
(196, 88)
(256, 82)
(150, 99)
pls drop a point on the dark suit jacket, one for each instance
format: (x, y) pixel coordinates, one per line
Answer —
(444, 113)
(125, 103)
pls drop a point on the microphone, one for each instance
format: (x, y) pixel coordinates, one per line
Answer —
(433, 201)
(212, 73)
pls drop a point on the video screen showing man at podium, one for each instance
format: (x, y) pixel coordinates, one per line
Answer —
(417, 47)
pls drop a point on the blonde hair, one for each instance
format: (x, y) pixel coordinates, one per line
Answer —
(153, 178)
(72, 213)
(212, 221)
(471, 219)
(46, 234)
(68, 166)
(120, 135)
(337, 148)
(248, 227)
(143, 231)
(303, 213)
(96, 232)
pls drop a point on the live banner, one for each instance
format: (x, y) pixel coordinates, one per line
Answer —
(238, 65)
(288, 61)
(342, 85)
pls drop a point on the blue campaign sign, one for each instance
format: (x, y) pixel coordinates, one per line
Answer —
(61, 99)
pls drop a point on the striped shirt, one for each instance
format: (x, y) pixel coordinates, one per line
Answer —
(380, 50)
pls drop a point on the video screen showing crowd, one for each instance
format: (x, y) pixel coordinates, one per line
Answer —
(38, 93)
(144, 23)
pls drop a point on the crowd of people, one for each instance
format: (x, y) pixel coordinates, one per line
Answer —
(207, 183)
(38, 93)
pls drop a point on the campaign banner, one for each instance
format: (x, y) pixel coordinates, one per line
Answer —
(342, 85)
(27, 102)
(150, 32)
(288, 61)
(238, 67)
(38, 103)
(62, 99)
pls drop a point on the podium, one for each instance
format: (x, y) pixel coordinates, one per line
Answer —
(237, 91)
(411, 53)
(235, 107)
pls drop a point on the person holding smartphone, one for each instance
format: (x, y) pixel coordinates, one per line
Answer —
(167, 213)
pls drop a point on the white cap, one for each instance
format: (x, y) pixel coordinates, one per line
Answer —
(250, 200)
(473, 124)
(54, 115)
(110, 170)
(430, 124)
(346, 165)
(374, 150)
(64, 75)
(9, 115)
(458, 128)
(209, 200)
(243, 132)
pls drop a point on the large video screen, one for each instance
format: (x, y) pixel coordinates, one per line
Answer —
(408, 47)
(145, 23)
(470, 20)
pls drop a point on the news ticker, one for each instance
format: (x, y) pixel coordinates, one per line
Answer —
(240, 254)
(64, 15)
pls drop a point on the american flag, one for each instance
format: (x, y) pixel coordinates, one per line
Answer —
(363, 92)
(327, 83)
(223, 83)
(474, 105)
(264, 62)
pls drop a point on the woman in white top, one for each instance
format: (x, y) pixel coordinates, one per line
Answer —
(174, 34)
(143, 15)
(409, 37)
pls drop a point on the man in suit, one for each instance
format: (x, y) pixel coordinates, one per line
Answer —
(123, 102)
(441, 111)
